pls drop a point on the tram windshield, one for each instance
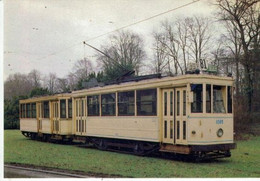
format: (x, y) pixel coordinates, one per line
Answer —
(218, 98)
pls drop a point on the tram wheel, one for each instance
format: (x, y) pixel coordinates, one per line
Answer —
(139, 149)
(102, 145)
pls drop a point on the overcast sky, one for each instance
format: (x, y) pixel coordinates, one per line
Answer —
(47, 35)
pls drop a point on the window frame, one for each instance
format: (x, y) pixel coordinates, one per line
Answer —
(125, 103)
(230, 99)
(46, 109)
(97, 105)
(223, 98)
(28, 110)
(63, 110)
(153, 101)
(108, 104)
(69, 108)
(201, 102)
(33, 110)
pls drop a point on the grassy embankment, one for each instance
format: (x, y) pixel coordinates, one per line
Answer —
(18, 149)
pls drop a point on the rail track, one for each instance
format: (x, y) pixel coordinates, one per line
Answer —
(14, 171)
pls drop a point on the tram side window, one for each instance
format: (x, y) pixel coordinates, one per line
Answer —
(108, 104)
(46, 112)
(218, 99)
(208, 98)
(197, 104)
(33, 106)
(229, 98)
(70, 108)
(147, 102)
(126, 103)
(93, 105)
(22, 112)
(63, 108)
(28, 110)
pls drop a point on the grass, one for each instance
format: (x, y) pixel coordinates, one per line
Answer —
(18, 149)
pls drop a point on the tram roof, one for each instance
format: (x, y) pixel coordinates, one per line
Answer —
(140, 82)
(161, 82)
(46, 98)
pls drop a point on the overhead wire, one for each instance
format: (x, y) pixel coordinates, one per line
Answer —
(123, 27)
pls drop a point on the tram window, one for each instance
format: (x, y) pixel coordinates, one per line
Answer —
(22, 111)
(33, 106)
(165, 103)
(178, 103)
(165, 129)
(171, 103)
(184, 130)
(46, 113)
(70, 108)
(208, 98)
(147, 102)
(171, 129)
(218, 99)
(28, 110)
(126, 103)
(184, 103)
(196, 105)
(93, 105)
(229, 98)
(82, 111)
(77, 108)
(63, 108)
(178, 129)
(108, 105)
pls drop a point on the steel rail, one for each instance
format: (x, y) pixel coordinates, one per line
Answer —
(46, 171)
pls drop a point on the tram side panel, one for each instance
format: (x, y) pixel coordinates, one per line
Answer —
(65, 127)
(28, 125)
(46, 126)
(210, 130)
(131, 128)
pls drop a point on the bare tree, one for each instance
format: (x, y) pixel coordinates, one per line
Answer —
(124, 53)
(199, 36)
(183, 36)
(72, 81)
(62, 85)
(159, 62)
(50, 82)
(82, 68)
(172, 46)
(16, 85)
(244, 16)
(233, 44)
(35, 77)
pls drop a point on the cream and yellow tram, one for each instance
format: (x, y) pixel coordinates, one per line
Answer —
(47, 117)
(189, 114)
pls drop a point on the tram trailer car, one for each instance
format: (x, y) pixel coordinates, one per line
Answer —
(47, 117)
(189, 114)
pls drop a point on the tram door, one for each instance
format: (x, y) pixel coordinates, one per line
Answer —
(181, 116)
(55, 117)
(168, 116)
(80, 116)
(38, 115)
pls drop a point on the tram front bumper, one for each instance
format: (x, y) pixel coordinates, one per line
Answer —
(215, 147)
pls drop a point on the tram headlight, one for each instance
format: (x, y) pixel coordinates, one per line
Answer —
(220, 132)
